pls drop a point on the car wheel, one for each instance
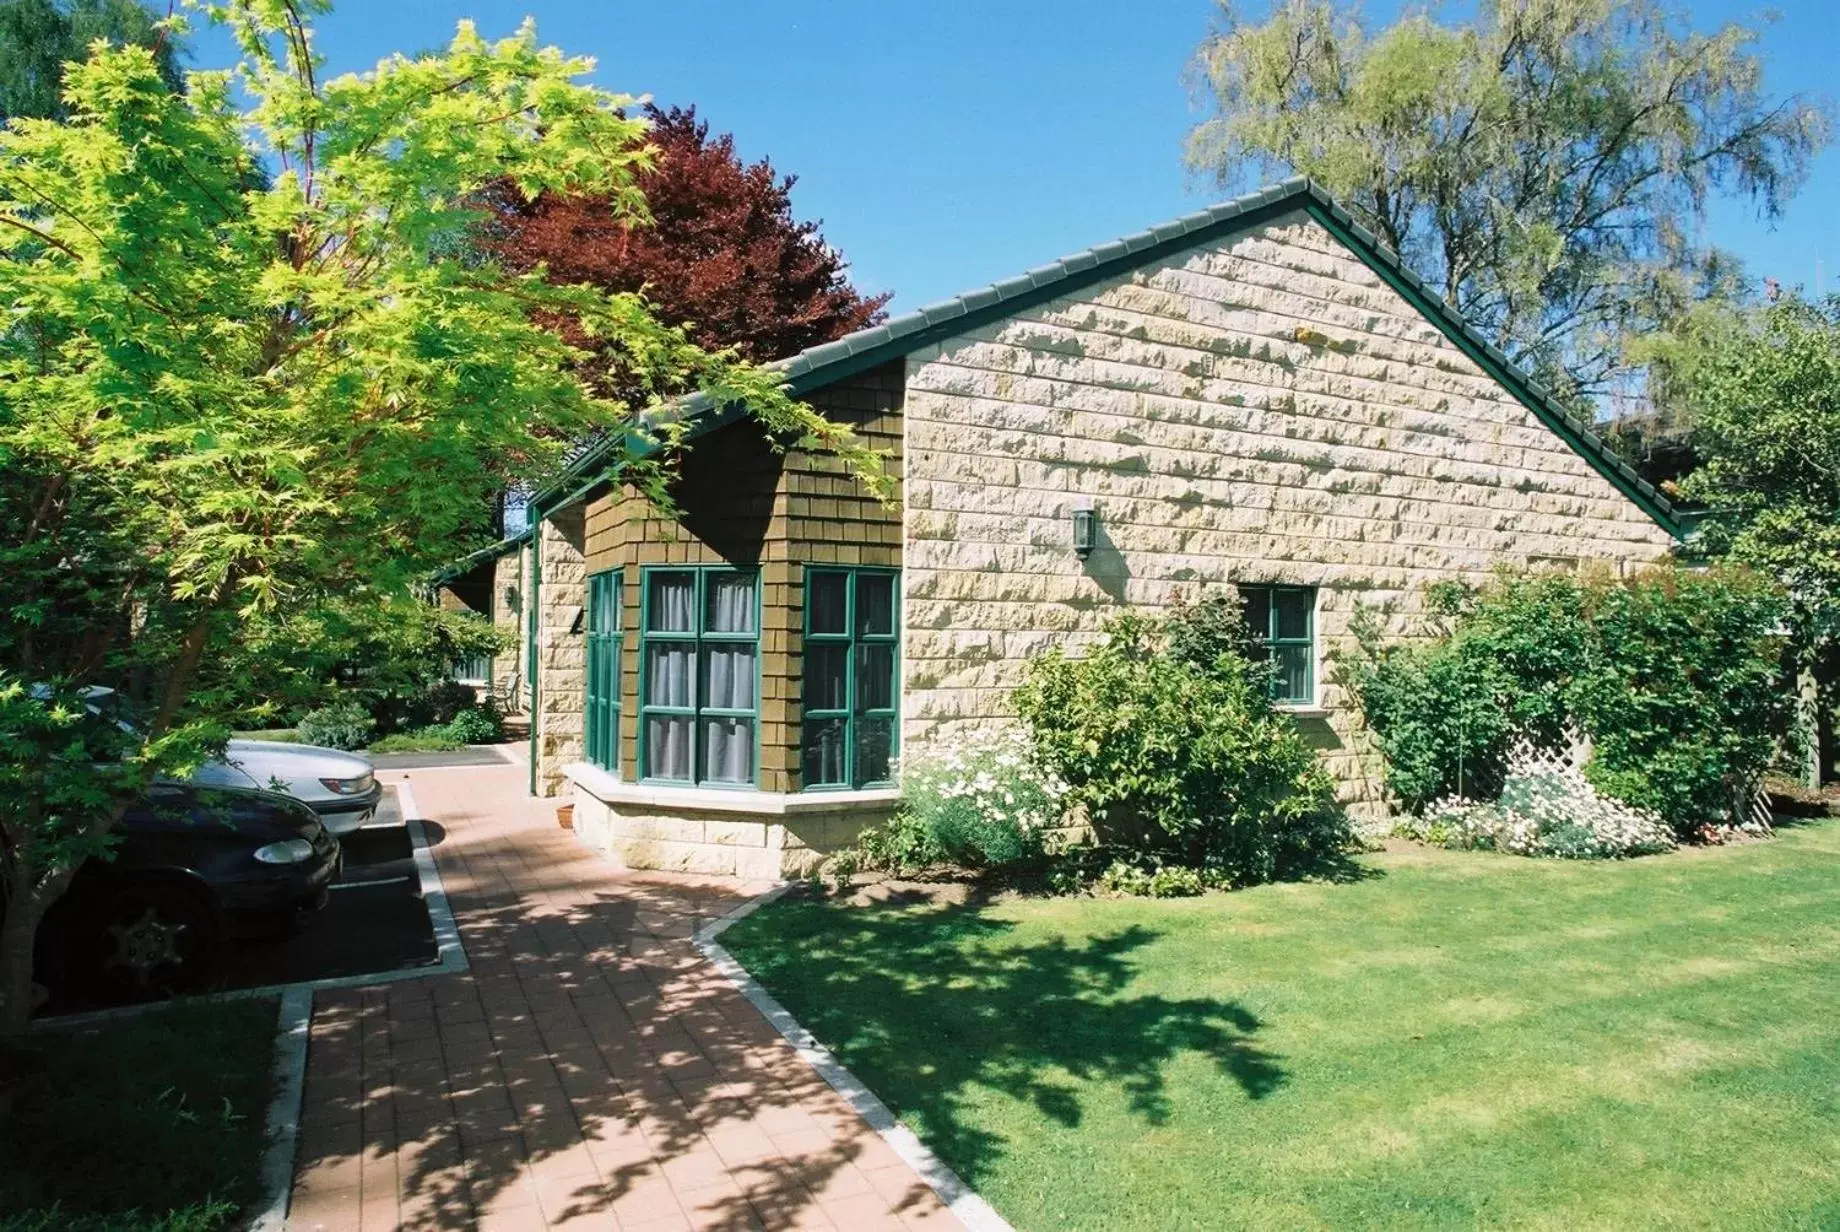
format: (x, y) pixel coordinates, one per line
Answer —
(155, 940)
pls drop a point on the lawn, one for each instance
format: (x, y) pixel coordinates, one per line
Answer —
(1456, 1040)
(151, 1123)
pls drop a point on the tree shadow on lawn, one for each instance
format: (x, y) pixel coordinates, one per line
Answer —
(932, 1007)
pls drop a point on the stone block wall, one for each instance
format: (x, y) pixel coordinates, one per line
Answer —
(510, 593)
(561, 649)
(1263, 409)
(717, 843)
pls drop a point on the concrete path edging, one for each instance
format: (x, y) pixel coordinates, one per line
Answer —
(964, 1202)
(297, 1016)
(284, 1111)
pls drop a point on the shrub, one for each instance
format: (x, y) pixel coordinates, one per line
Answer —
(1674, 677)
(1687, 700)
(1162, 881)
(422, 740)
(436, 705)
(1446, 712)
(1544, 812)
(978, 803)
(477, 725)
(1166, 734)
(385, 653)
(342, 725)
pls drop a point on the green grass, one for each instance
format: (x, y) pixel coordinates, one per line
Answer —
(422, 740)
(279, 735)
(150, 1123)
(425, 740)
(1458, 1040)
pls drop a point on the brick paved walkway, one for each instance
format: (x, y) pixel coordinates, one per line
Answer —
(589, 1071)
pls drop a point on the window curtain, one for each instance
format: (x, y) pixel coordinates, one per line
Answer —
(673, 603)
(729, 681)
(731, 603)
(728, 750)
(667, 746)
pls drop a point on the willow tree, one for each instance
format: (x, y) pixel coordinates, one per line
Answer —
(225, 389)
(1544, 166)
(39, 37)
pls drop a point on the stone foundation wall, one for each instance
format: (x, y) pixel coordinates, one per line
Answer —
(716, 842)
(561, 649)
(1263, 409)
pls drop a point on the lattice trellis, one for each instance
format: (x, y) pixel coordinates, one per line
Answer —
(1525, 758)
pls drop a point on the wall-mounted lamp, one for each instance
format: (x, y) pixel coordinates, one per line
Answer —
(1085, 527)
(511, 598)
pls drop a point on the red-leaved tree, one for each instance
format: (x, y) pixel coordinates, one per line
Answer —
(722, 254)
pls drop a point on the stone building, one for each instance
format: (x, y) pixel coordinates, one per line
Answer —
(1256, 395)
(493, 583)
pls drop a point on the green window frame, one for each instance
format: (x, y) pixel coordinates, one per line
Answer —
(850, 726)
(1283, 618)
(699, 682)
(606, 640)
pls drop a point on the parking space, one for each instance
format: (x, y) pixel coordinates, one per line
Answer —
(374, 922)
(374, 919)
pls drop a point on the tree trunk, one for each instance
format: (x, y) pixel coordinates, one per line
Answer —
(18, 932)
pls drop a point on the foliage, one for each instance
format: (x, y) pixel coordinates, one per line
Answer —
(1541, 165)
(1488, 1015)
(188, 1087)
(1686, 699)
(437, 705)
(342, 725)
(721, 254)
(1133, 880)
(228, 395)
(420, 740)
(477, 725)
(1674, 676)
(1180, 758)
(38, 37)
(977, 802)
(1446, 712)
(1543, 813)
(392, 653)
(1764, 388)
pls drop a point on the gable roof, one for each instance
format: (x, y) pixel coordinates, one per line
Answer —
(822, 365)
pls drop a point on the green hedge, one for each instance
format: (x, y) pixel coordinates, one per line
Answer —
(1676, 676)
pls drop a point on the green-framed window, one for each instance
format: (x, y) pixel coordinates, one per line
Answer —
(851, 714)
(699, 675)
(1284, 619)
(605, 640)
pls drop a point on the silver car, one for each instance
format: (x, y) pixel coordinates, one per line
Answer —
(341, 787)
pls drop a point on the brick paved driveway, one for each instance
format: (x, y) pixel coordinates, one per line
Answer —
(589, 1071)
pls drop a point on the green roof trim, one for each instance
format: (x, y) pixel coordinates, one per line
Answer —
(868, 348)
(472, 560)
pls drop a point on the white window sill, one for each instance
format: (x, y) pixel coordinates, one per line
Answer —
(612, 790)
(1303, 712)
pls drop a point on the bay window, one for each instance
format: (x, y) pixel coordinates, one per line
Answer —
(699, 676)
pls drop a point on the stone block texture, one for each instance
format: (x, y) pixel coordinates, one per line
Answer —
(718, 844)
(561, 652)
(510, 592)
(1263, 409)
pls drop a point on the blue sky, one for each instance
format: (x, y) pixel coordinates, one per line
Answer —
(948, 143)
